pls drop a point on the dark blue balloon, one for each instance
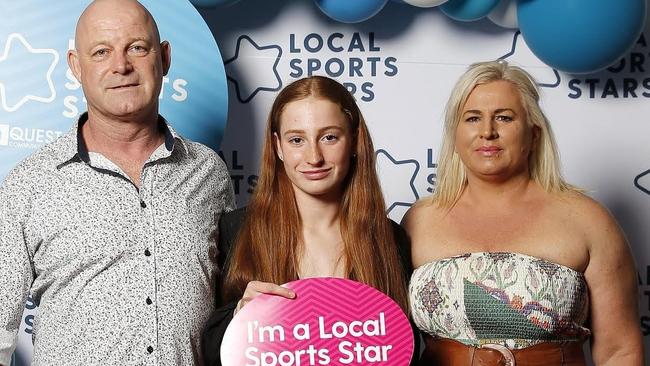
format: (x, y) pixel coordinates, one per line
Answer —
(580, 36)
(350, 11)
(211, 3)
(468, 10)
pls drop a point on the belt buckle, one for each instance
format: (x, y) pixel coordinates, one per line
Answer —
(505, 352)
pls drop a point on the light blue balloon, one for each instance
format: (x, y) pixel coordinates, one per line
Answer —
(468, 10)
(350, 11)
(212, 3)
(580, 36)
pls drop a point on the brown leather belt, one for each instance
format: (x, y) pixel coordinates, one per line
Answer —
(447, 352)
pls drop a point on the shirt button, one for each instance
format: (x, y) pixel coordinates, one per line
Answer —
(147, 252)
(142, 204)
(150, 349)
(149, 302)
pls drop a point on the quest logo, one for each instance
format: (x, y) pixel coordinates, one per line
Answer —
(4, 135)
(26, 137)
(354, 57)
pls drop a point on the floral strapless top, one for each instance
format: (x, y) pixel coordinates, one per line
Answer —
(496, 297)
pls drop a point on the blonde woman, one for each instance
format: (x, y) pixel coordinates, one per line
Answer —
(514, 265)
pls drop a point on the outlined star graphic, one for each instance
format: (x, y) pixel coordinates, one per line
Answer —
(642, 182)
(398, 194)
(524, 55)
(248, 57)
(23, 72)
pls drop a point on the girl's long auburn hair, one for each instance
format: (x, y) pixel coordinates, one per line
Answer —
(268, 243)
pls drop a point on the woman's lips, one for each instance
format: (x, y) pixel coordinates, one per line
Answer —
(489, 150)
(316, 174)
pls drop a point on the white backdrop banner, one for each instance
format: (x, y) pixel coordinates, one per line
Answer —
(400, 65)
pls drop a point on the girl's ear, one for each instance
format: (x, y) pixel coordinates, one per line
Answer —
(278, 146)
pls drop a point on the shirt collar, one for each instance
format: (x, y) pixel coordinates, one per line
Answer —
(75, 149)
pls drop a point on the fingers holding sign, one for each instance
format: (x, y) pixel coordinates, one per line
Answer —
(256, 288)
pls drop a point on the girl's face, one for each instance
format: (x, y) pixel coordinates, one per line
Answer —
(315, 145)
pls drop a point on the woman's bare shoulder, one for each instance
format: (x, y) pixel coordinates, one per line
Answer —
(422, 223)
(583, 207)
(422, 210)
(586, 213)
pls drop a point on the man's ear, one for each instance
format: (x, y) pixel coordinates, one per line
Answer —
(166, 54)
(278, 147)
(73, 63)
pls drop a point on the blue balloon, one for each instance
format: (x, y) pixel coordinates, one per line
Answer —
(580, 36)
(350, 11)
(211, 3)
(468, 10)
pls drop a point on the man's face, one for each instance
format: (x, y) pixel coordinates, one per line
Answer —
(119, 60)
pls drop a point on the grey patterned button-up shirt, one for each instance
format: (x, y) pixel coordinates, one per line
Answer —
(123, 275)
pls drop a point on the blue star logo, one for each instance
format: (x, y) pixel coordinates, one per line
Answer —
(253, 59)
(642, 182)
(546, 77)
(29, 70)
(401, 194)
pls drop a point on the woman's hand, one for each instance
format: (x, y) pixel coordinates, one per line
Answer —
(256, 288)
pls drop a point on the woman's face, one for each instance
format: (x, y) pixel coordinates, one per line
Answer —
(315, 145)
(493, 137)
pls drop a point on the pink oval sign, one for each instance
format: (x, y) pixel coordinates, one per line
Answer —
(332, 321)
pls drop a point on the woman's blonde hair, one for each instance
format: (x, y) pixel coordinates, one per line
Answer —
(269, 241)
(544, 164)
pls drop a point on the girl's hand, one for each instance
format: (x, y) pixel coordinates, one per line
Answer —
(256, 288)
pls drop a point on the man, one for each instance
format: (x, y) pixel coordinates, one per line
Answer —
(110, 226)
